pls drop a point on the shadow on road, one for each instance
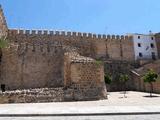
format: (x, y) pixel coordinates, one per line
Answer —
(148, 96)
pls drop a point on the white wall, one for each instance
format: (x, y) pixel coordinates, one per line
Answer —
(145, 49)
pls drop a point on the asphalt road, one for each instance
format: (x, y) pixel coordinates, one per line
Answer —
(115, 117)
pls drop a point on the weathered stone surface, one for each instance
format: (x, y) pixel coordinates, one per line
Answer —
(23, 68)
(37, 59)
(157, 38)
(85, 77)
(138, 82)
(33, 95)
(114, 68)
(3, 24)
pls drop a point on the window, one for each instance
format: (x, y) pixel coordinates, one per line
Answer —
(152, 45)
(110, 66)
(140, 54)
(139, 37)
(152, 38)
(139, 44)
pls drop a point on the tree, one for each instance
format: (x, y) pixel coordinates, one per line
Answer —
(150, 77)
(123, 79)
(108, 79)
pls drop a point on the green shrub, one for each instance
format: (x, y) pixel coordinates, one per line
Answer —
(98, 62)
(107, 79)
(150, 77)
(3, 42)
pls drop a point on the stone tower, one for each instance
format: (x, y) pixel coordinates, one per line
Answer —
(3, 24)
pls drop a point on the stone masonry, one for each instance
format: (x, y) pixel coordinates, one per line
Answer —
(73, 60)
(85, 77)
(35, 58)
(157, 38)
(138, 83)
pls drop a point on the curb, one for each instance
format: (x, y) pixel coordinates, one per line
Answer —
(79, 114)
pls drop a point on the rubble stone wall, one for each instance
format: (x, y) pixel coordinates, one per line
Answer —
(33, 95)
(86, 79)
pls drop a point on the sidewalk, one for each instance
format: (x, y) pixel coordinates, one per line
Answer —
(135, 103)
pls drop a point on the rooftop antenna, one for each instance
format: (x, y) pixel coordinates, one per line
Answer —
(150, 32)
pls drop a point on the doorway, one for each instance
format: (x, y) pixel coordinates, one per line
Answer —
(153, 56)
(3, 87)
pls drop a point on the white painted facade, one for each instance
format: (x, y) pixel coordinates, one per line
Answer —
(145, 46)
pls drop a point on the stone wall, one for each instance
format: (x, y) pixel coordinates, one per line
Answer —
(31, 66)
(38, 55)
(115, 68)
(139, 84)
(35, 58)
(127, 49)
(137, 75)
(157, 38)
(90, 45)
(3, 24)
(82, 43)
(32, 95)
(85, 78)
(113, 48)
(120, 48)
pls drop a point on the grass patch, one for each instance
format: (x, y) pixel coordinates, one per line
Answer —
(98, 62)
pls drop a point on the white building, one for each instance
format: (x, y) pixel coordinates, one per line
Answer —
(145, 46)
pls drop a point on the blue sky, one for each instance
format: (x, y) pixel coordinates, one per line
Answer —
(96, 16)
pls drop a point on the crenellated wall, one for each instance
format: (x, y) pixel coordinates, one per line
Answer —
(65, 33)
(127, 46)
(97, 46)
(43, 58)
(83, 44)
(35, 58)
(3, 24)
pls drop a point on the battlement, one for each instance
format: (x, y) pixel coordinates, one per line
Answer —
(67, 33)
(3, 23)
(2, 17)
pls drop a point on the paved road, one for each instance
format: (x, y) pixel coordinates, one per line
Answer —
(136, 102)
(121, 117)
